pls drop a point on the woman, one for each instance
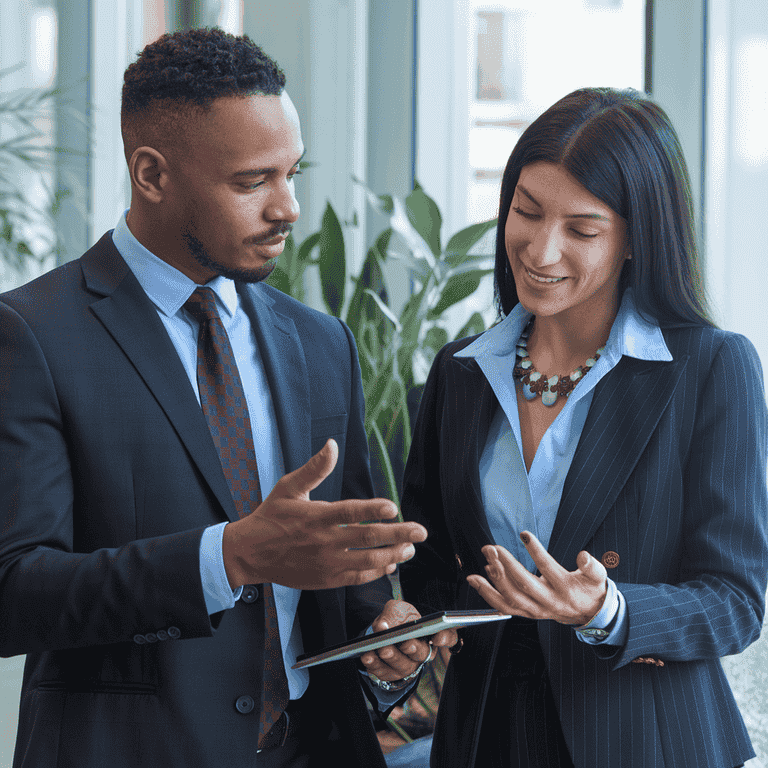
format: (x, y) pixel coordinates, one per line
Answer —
(594, 465)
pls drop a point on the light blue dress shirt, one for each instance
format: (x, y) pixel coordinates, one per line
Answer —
(169, 289)
(515, 499)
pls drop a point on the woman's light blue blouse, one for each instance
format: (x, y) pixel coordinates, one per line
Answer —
(515, 499)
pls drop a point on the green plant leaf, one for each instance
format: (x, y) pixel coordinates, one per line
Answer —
(288, 274)
(436, 338)
(474, 325)
(278, 278)
(425, 217)
(461, 243)
(376, 390)
(384, 309)
(413, 315)
(457, 288)
(304, 253)
(332, 261)
(361, 306)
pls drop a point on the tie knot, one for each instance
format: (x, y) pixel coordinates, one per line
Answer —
(202, 305)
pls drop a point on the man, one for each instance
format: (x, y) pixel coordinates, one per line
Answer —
(164, 416)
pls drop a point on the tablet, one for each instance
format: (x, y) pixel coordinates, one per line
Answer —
(426, 625)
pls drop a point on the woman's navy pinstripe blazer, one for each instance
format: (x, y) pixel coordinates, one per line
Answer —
(670, 473)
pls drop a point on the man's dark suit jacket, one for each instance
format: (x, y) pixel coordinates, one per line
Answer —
(670, 475)
(109, 477)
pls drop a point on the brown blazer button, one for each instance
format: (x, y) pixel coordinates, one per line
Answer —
(648, 660)
(458, 562)
(610, 559)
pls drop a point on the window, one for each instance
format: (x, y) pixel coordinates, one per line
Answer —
(486, 69)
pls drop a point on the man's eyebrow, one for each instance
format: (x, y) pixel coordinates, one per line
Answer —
(264, 171)
(597, 216)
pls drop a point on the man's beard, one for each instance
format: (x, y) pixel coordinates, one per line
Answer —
(239, 274)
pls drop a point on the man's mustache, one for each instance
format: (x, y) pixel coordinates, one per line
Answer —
(283, 228)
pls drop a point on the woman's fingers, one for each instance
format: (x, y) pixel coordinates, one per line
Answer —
(549, 568)
(557, 594)
(504, 597)
(488, 593)
(591, 568)
(511, 574)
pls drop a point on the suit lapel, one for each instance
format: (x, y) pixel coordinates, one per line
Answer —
(625, 410)
(470, 415)
(286, 369)
(132, 321)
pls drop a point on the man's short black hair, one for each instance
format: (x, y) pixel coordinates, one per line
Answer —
(183, 73)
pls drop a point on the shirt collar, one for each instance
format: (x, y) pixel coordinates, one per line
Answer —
(631, 335)
(167, 288)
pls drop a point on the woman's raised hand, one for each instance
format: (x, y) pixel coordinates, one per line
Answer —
(568, 597)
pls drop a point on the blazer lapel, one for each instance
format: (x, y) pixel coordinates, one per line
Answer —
(470, 416)
(286, 369)
(132, 321)
(625, 410)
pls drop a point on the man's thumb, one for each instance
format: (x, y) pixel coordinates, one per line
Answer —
(304, 479)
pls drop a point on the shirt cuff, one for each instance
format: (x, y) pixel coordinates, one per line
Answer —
(219, 596)
(608, 626)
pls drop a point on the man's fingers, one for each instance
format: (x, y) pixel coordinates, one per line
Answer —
(445, 638)
(354, 567)
(416, 650)
(375, 536)
(301, 481)
(321, 513)
(393, 663)
(397, 612)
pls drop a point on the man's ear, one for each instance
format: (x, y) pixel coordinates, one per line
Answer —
(149, 173)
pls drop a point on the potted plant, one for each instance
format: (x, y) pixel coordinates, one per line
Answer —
(395, 350)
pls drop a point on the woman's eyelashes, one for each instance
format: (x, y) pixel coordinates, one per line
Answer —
(533, 216)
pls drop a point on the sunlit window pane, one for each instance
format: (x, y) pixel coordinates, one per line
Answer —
(526, 55)
(43, 44)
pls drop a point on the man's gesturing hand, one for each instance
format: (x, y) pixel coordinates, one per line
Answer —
(305, 544)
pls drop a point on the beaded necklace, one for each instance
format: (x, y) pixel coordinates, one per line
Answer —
(535, 383)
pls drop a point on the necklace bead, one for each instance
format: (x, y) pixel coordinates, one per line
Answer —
(535, 383)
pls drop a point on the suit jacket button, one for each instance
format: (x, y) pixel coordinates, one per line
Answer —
(250, 594)
(174, 633)
(162, 634)
(610, 559)
(139, 639)
(244, 704)
(150, 637)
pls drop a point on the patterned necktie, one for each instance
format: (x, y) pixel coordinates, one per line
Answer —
(226, 411)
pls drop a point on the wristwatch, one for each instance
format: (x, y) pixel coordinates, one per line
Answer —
(404, 682)
(397, 685)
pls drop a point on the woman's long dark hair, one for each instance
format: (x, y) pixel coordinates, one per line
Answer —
(622, 148)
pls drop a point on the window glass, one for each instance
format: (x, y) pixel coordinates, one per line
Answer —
(28, 39)
(526, 55)
(486, 70)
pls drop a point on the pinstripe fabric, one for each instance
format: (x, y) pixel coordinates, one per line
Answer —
(670, 473)
(522, 726)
